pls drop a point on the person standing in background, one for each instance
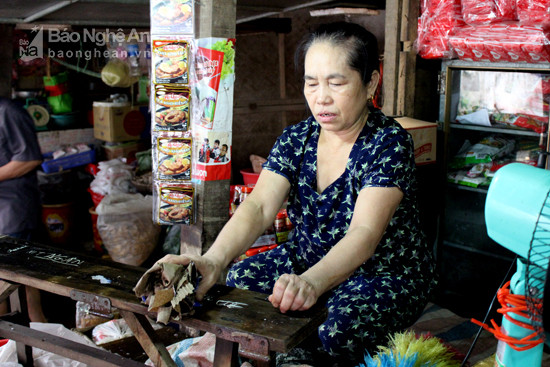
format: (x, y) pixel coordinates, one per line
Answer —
(19, 194)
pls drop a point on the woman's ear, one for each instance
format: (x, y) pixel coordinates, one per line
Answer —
(373, 83)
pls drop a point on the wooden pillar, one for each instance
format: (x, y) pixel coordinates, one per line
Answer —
(213, 18)
(400, 57)
(6, 59)
(216, 18)
(282, 74)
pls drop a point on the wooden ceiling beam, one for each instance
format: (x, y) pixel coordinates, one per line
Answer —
(283, 10)
(344, 11)
(277, 25)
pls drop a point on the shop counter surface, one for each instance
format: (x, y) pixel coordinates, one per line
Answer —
(235, 316)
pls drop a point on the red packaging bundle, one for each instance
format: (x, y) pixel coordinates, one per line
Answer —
(538, 124)
(431, 5)
(506, 41)
(488, 11)
(533, 10)
(506, 9)
(438, 20)
(544, 86)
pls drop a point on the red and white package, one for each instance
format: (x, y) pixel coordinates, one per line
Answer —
(506, 41)
(506, 9)
(488, 11)
(544, 86)
(438, 20)
(533, 11)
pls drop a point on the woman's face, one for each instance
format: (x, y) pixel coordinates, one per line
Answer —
(334, 92)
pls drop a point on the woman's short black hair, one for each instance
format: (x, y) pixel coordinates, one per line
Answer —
(361, 44)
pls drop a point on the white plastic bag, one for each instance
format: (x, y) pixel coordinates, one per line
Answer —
(43, 358)
(111, 331)
(115, 330)
(114, 177)
(126, 228)
(8, 355)
(117, 74)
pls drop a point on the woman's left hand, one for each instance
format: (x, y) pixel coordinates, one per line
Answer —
(294, 293)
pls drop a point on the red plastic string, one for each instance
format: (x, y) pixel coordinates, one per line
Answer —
(513, 303)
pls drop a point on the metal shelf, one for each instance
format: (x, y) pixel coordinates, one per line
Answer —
(496, 66)
(477, 251)
(500, 130)
(467, 256)
(479, 190)
(463, 225)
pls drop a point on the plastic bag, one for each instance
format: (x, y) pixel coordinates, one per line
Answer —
(59, 99)
(125, 226)
(115, 330)
(488, 11)
(484, 151)
(111, 331)
(43, 358)
(437, 21)
(193, 352)
(506, 41)
(533, 11)
(8, 353)
(114, 177)
(117, 74)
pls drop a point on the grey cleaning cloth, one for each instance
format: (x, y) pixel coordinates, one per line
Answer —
(169, 290)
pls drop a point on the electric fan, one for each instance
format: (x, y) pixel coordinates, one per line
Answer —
(517, 214)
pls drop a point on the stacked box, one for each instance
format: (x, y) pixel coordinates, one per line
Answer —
(424, 136)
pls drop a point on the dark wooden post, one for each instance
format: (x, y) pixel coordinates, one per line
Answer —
(214, 18)
(400, 57)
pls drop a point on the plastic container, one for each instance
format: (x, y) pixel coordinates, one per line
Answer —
(70, 161)
(245, 191)
(249, 176)
(65, 120)
(58, 221)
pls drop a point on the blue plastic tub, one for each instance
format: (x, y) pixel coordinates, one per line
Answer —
(70, 161)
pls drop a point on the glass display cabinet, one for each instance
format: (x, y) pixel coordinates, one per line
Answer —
(491, 114)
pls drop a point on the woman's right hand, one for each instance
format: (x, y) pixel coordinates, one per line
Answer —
(293, 292)
(208, 268)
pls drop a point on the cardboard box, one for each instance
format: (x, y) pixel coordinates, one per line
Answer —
(117, 122)
(126, 150)
(424, 136)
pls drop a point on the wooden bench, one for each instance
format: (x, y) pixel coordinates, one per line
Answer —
(241, 320)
